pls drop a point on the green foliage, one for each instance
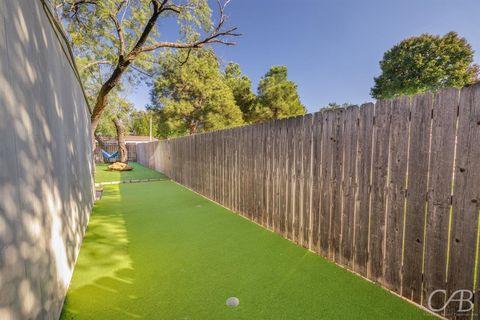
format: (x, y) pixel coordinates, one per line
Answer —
(424, 63)
(94, 35)
(277, 96)
(105, 127)
(140, 123)
(136, 122)
(117, 41)
(334, 105)
(241, 87)
(117, 106)
(191, 95)
(95, 41)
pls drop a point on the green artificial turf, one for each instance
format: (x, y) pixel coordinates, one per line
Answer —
(102, 174)
(156, 250)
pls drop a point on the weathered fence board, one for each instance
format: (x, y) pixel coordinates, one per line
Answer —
(444, 124)
(466, 194)
(396, 192)
(348, 185)
(317, 178)
(381, 133)
(326, 197)
(390, 191)
(363, 178)
(305, 224)
(420, 127)
(336, 179)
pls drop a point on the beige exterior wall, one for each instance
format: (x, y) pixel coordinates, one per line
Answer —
(46, 183)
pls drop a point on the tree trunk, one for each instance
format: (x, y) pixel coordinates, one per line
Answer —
(122, 148)
(100, 141)
(97, 142)
(102, 97)
(193, 126)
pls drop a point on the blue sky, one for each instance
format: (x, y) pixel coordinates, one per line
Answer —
(332, 48)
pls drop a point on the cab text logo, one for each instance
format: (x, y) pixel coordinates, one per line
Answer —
(462, 297)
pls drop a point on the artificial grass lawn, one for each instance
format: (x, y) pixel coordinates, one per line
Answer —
(138, 172)
(156, 250)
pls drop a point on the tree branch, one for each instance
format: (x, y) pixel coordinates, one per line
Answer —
(121, 38)
(213, 37)
(134, 67)
(119, 29)
(157, 10)
(74, 7)
(173, 8)
(182, 63)
(159, 6)
(75, 4)
(94, 63)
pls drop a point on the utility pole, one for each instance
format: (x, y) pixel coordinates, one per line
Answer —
(150, 128)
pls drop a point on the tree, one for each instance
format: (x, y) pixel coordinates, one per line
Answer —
(119, 37)
(140, 123)
(241, 87)
(334, 105)
(106, 127)
(122, 147)
(114, 122)
(192, 96)
(425, 63)
(117, 107)
(277, 96)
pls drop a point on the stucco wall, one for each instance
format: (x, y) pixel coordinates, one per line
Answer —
(46, 187)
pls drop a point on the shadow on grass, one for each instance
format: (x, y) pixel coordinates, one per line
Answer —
(104, 271)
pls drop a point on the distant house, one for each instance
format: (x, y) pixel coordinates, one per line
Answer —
(132, 139)
(138, 139)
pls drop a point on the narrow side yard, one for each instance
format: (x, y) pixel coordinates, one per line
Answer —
(156, 250)
(102, 174)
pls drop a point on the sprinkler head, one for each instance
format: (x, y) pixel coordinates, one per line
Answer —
(233, 302)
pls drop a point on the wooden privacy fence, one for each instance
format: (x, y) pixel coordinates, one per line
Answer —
(113, 147)
(390, 191)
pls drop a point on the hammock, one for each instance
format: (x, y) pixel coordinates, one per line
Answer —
(109, 157)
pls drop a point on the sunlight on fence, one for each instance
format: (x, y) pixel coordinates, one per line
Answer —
(391, 191)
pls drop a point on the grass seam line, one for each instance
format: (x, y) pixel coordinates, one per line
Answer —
(101, 184)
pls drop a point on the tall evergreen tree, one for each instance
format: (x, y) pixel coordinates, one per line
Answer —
(241, 87)
(191, 96)
(277, 96)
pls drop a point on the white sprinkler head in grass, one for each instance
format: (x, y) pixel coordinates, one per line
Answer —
(233, 302)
